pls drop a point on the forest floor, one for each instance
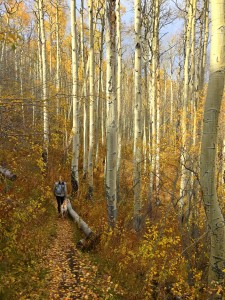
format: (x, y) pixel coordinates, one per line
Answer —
(71, 273)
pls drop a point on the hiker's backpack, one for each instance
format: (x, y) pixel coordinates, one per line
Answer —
(60, 189)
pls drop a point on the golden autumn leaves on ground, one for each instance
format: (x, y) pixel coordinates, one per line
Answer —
(71, 273)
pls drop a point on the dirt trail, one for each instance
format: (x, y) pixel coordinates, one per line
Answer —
(71, 274)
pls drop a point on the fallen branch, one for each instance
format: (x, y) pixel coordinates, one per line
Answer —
(91, 239)
(7, 174)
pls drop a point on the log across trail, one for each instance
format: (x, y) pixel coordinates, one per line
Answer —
(7, 174)
(71, 274)
(90, 239)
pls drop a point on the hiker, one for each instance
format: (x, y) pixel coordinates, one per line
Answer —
(60, 192)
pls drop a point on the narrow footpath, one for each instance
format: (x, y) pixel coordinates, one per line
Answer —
(71, 274)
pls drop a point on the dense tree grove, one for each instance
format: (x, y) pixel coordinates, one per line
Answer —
(125, 100)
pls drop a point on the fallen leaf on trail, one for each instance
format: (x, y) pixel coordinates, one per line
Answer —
(71, 274)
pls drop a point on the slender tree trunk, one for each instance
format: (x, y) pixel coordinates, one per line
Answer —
(91, 100)
(155, 104)
(58, 82)
(99, 99)
(4, 41)
(137, 118)
(111, 156)
(186, 90)
(50, 47)
(205, 44)
(209, 145)
(171, 96)
(44, 81)
(75, 130)
(85, 99)
(16, 64)
(39, 67)
(21, 85)
(193, 109)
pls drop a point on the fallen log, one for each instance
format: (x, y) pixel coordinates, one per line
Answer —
(7, 174)
(91, 239)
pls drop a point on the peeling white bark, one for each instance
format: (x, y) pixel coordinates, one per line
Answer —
(111, 156)
(209, 144)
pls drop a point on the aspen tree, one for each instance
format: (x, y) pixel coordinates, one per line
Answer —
(154, 95)
(21, 84)
(91, 100)
(144, 142)
(85, 103)
(39, 64)
(99, 98)
(205, 44)
(44, 80)
(145, 55)
(103, 125)
(157, 94)
(58, 79)
(137, 117)
(75, 130)
(50, 43)
(8, 13)
(209, 145)
(185, 176)
(16, 64)
(111, 156)
(171, 89)
(192, 61)
(119, 90)
(193, 109)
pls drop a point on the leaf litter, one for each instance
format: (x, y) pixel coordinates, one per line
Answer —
(71, 274)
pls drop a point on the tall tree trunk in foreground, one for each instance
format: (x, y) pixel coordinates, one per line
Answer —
(91, 100)
(111, 156)
(209, 145)
(137, 117)
(44, 81)
(119, 91)
(75, 130)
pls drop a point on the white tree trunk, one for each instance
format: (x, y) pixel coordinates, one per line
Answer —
(44, 80)
(119, 90)
(80, 222)
(111, 156)
(99, 98)
(85, 102)
(91, 100)
(75, 130)
(137, 117)
(58, 82)
(50, 46)
(186, 90)
(209, 144)
(155, 104)
(21, 85)
(205, 44)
